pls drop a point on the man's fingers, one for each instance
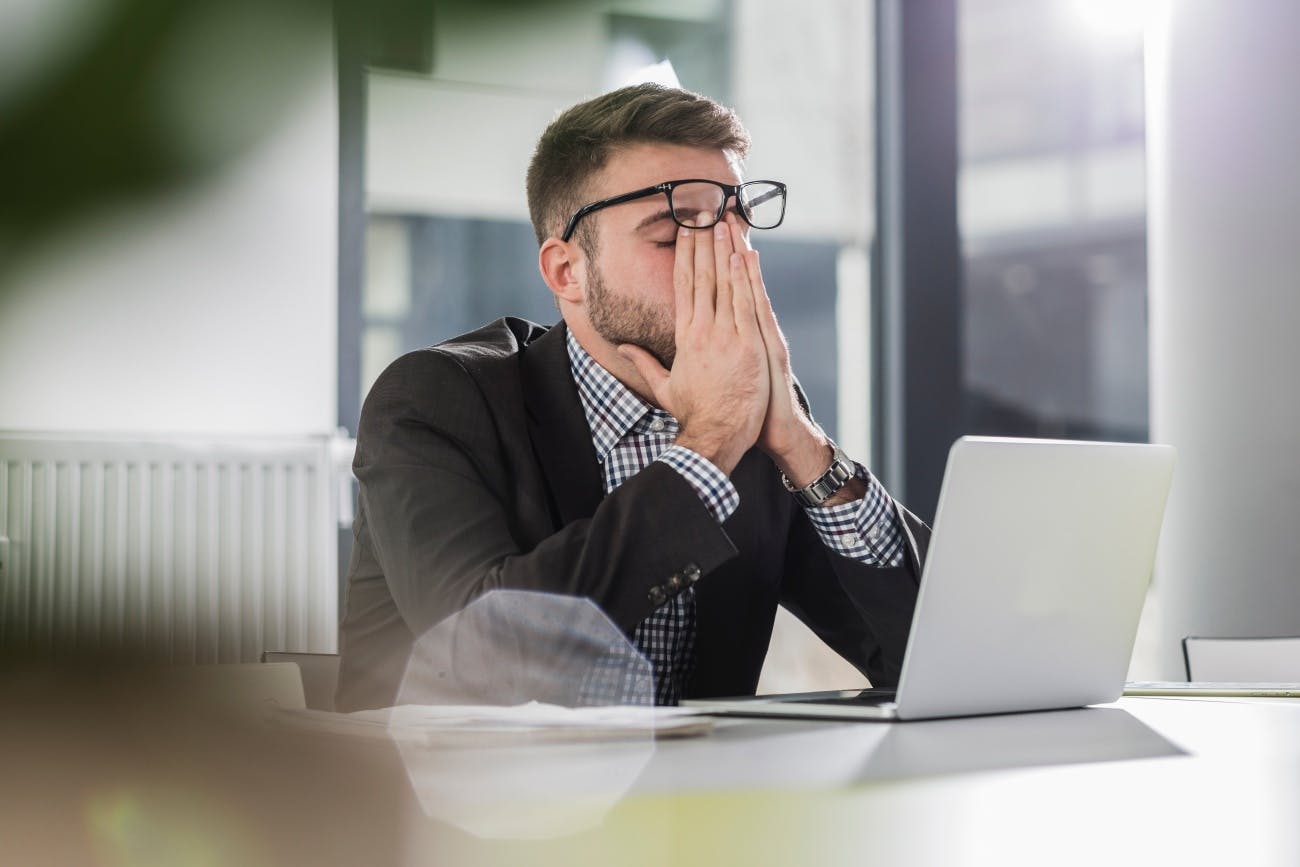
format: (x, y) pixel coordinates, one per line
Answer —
(684, 278)
(739, 238)
(742, 296)
(705, 276)
(743, 302)
(762, 304)
(773, 338)
(654, 373)
(722, 267)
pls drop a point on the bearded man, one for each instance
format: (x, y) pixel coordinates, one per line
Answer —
(651, 452)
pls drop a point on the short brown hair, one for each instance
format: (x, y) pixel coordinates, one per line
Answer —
(581, 140)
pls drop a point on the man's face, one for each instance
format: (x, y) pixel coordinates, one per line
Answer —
(629, 289)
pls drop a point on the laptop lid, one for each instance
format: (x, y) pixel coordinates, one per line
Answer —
(1038, 567)
(1032, 590)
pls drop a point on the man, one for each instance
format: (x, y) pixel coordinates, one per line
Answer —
(651, 452)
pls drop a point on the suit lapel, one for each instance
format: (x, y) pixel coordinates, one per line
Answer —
(558, 428)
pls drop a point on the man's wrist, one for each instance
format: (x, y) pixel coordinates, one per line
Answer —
(809, 456)
(716, 450)
(810, 460)
(826, 486)
(854, 489)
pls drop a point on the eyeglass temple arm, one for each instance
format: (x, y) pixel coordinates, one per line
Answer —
(605, 203)
(760, 199)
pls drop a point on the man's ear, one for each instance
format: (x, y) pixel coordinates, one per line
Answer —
(562, 268)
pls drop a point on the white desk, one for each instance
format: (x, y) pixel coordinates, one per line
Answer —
(112, 777)
(1146, 781)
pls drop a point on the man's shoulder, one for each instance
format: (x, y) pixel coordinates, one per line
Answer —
(502, 338)
(474, 353)
(483, 364)
(450, 383)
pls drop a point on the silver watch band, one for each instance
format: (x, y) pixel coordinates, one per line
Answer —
(827, 484)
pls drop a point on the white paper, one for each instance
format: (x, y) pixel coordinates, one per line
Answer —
(469, 725)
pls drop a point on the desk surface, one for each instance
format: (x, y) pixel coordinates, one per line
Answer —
(1150, 781)
(1144, 781)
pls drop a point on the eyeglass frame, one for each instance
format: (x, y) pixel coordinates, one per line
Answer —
(667, 187)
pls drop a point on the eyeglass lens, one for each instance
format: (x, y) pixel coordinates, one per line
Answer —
(762, 203)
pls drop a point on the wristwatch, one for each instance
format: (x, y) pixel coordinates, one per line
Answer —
(827, 484)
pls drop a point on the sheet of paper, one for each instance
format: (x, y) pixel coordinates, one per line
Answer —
(462, 725)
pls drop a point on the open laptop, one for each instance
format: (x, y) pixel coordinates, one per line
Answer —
(1032, 589)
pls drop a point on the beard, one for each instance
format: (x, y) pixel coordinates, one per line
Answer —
(619, 319)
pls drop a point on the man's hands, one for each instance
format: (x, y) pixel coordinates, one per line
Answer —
(719, 387)
(731, 386)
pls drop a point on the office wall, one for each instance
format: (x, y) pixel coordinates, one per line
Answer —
(458, 143)
(209, 310)
(1224, 132)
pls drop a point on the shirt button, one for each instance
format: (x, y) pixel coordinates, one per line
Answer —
(656, 596)
(691, 573)
(675, 583)
(851, 539)
(657, 425)
(874, 533)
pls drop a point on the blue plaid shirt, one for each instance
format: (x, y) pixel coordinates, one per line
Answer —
(628, 434)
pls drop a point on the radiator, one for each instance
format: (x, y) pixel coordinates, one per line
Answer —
(181, 551)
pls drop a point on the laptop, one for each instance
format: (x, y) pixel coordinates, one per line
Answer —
(1030, 596)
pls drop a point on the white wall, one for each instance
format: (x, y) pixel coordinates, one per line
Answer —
(211, 311)
(1224, 134)
(459, 143)
(802, 81)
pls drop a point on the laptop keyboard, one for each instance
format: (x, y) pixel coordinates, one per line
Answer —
(866, 697)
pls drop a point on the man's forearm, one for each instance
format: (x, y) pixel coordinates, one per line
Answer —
(461, 544)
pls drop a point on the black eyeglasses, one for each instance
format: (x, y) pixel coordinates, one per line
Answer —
(761, 204)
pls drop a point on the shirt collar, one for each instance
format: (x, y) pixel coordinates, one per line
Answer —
(612, 409)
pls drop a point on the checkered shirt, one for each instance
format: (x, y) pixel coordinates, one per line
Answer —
(865, 530)
(628, 434)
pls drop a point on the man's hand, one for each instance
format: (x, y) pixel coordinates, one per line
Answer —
(798, 447)
(719, 386)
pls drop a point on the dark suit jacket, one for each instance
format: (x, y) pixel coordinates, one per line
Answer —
(478, 472)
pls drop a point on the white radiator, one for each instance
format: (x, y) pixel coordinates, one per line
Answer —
(183, 551)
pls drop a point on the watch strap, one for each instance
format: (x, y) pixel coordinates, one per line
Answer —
(828, 484)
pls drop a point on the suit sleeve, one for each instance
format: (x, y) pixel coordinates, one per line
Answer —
(438, 497)
(863, 612)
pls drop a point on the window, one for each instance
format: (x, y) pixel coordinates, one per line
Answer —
(1052, 215)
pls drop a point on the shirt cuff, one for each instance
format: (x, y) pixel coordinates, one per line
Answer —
(865, 530)
(711, 484)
